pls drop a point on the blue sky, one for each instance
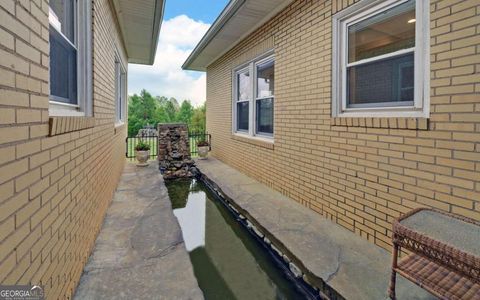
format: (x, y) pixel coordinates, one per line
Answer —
(204, 10)
(184, 24)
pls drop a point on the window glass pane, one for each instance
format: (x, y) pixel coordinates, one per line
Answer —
(265, 116)
(406, 84)
(242, 115)
(243, 86)
(386, 80)
(386, 32)
(265, 79)
(63, 69)
(63, 17)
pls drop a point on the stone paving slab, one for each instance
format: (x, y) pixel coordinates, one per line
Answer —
(354, 267)
(139, 253)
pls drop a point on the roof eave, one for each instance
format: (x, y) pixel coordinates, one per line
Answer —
(223, 18)
(156, 29)
(149, 43)
(232, 18)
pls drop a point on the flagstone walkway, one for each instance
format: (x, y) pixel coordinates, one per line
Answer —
(139, 253)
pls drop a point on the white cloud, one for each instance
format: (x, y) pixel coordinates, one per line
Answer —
(178, 37)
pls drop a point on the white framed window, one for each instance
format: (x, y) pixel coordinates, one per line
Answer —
(70, 58)
(120, 90)
(381, 60)
(253, 98)
(243, 99)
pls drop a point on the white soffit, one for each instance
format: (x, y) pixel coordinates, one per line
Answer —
(140, 22)
(237, 20)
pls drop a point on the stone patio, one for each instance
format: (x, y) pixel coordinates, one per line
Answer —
(139, 253)
(349, 264)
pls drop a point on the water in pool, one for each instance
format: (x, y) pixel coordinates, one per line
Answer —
(227, 261)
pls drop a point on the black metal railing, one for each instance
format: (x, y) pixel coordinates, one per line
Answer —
(131, 142)
(194, 138)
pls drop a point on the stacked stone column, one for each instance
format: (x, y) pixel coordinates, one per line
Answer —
(174, 150)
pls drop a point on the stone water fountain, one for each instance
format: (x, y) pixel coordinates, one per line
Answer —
(174, 151)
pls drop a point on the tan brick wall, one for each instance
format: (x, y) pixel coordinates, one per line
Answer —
(54, 190)
(363, 172)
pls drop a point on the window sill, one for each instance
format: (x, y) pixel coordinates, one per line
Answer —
(61, 125)
(59, 109)
(392, 123)
(118, 127)
(257, 141)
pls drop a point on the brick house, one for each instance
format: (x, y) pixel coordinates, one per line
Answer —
(62, 128)
(360, 110)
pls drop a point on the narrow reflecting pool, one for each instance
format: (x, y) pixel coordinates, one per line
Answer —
(228, 262)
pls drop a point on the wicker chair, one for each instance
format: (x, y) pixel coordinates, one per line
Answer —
(444, 253)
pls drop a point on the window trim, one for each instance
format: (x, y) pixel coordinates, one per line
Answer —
(264, 60)
(243, 69)
(356, 13)
(122, 72)
(83, 45)
(251, 67)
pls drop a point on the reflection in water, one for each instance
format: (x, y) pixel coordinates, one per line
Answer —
(192, 221)
(227, 261)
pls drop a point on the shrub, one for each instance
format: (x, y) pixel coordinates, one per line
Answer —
(142, 146)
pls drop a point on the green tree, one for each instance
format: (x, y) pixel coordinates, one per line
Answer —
(199, 119)
(144, 109)
(161, 115)
(171, 109)
(185, 112)
(175, 103)
(162, 100)
(141, 111)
